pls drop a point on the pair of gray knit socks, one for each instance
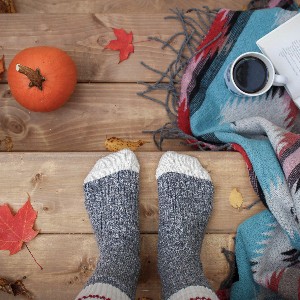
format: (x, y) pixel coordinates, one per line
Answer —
(185, 195)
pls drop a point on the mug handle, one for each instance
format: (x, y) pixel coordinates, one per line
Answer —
(297, 102)
(279, 80)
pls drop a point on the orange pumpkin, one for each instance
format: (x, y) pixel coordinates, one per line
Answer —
(42, 78)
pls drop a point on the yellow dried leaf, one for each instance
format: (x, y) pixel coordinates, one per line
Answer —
(236, 199)
(114, 144)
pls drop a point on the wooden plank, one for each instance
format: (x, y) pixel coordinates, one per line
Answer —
(54, 181)
(84, 36)
(119, 6)
(69, 260)
(94, 112)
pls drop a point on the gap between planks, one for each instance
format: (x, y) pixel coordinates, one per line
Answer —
(54, 181)
(69, 260)
(86, 120)
(120, 6)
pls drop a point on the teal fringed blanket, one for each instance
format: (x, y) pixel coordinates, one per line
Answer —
(209, 116)
(268, 244)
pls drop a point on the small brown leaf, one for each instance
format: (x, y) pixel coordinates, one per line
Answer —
(2, 65)
(7, 144)
(5, 286)
(18, 288)
(114, 144)
(7, 6)
(236, 199)
(14, 288)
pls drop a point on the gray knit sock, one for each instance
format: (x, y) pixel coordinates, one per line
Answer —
(185, 194)
(111, 199)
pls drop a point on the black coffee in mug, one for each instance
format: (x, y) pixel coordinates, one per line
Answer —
(250, 74)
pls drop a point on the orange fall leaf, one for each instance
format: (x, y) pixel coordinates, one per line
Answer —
(114, 144)
(123, 43)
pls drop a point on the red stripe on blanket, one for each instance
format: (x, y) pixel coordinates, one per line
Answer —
(183, 118)
(220, 25)
(240, 149)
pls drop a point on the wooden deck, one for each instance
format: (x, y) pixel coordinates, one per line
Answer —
(53, 152)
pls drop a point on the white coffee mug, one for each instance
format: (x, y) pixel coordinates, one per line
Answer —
(272, 77)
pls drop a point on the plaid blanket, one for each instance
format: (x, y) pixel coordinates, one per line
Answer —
(268, 244)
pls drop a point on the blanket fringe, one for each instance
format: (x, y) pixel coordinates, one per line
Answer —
(195, 24)
(171, 131)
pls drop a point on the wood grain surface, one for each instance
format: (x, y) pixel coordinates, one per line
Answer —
(119, 6)
(54, 181)
(53, 152)
(69, 260)
(94, 112)
(83, 37)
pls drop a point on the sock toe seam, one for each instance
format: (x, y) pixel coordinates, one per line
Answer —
(172, 162)
(113, 163)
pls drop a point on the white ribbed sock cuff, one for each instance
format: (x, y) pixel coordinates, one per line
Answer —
(194, 293)
(181, 163)
(113, 163)
(102, 291)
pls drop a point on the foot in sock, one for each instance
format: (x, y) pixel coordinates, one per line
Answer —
(111, 200)
(185, 193)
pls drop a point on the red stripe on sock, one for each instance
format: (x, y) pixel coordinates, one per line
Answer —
(94, 297)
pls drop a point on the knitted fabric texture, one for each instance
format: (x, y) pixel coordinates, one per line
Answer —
(185, 204)
(264, 129)
(268, 263)
(194, 293)
(102, 291)
(258, 127)
(111, 200)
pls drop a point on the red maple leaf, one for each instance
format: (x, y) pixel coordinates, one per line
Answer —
(123, 43)
(16, 229)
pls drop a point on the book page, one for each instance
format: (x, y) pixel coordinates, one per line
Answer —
(282, 46)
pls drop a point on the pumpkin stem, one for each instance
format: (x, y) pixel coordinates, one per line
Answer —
(35, 77)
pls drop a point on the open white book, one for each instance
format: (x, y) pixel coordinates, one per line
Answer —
(282, 47)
